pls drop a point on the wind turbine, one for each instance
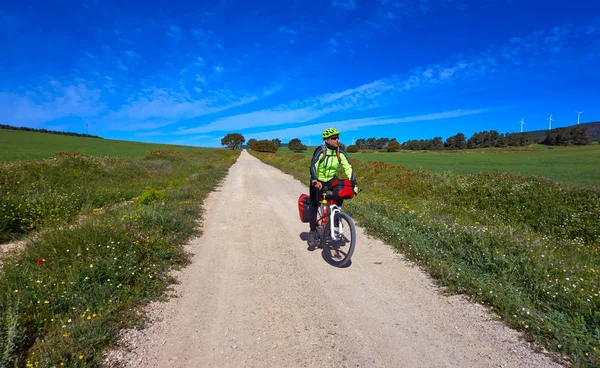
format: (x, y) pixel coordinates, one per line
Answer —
(550, 122)
(578, 114)
(522, 122)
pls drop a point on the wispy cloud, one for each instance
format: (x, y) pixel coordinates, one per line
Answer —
(356, 124)
(174, 31)
(367, 96)
(298, 111)
(287, 31)
(156, 107)
(343, 4)
(50, 102)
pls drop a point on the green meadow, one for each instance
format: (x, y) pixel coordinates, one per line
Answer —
(18, 145)
(102, 234)
(578, 165)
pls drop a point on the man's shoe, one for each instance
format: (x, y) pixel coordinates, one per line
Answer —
(312, 238)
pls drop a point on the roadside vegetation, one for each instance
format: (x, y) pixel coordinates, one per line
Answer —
(102, 235)
(576, 165)
(527, 246)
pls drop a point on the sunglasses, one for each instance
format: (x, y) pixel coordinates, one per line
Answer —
(334, 138)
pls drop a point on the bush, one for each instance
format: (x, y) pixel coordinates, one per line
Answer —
(151, 195)
(296, 145)
(353, 148)
(264, 145)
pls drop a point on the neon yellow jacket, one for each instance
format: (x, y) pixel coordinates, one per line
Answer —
(325, 169)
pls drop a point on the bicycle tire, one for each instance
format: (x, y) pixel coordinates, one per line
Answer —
(341, 258)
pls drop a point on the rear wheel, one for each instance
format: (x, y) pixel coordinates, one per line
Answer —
(339, 246)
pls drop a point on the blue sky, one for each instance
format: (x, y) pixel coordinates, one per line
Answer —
(191, 72)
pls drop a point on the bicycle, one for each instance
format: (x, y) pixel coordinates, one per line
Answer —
(333, 229)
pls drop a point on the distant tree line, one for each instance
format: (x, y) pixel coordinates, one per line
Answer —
(575, 135)
(10, 127)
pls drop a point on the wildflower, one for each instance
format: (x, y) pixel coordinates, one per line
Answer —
(2, 183)
(80, 357)
(65, 334)
(40, 261)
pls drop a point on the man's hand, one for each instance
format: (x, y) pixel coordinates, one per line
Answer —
(318, 185)
(356, 190)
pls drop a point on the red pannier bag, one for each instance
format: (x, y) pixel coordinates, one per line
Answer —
(304, 207)
(342, 189)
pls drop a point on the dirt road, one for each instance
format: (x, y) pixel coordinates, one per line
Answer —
(255, 296)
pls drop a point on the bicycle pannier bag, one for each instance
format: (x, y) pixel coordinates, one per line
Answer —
(304, 207)
(342, 189)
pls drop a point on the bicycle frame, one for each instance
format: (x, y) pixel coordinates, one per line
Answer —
(327, 211)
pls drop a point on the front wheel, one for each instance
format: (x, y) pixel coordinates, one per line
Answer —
(339, 246)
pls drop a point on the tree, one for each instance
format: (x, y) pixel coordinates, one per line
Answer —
(394, 146)
(251, 142)
(352, 148)
(264, 145)
(437, 143)
(277, 141)
(296, 145)
(233, 140)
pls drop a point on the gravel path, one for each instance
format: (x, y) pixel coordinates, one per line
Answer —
(255, 296)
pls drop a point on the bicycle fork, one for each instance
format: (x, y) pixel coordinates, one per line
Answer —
(333, 209)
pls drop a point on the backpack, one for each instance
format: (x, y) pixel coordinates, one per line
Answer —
(324, 152)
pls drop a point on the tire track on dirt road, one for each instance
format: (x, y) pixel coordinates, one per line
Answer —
(255, 296)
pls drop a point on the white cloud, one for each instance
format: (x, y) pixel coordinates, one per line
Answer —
(355, 124)
(157, 107)
(219, 69)
(132, 54)
(299, 111)
(51, 102)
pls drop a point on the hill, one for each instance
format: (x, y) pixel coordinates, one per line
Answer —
(593, 130)
(18, 145)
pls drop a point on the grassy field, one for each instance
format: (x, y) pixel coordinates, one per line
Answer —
(571, 165)
(18, 145)
(527, 247)
(102, 234)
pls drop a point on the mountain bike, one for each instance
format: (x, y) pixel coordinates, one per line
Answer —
(336, 233)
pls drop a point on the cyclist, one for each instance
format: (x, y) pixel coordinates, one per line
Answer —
(323, 168)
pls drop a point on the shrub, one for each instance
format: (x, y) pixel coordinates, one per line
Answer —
(352, 148)
(151, 195)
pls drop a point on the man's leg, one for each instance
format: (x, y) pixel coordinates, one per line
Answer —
(314, 201)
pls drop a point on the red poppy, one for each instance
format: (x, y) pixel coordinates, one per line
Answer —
(40, 261)
(2, 183)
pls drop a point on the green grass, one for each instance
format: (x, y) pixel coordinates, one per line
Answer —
(87, 272)
(16, 145)
(571, 165)
(526, 246)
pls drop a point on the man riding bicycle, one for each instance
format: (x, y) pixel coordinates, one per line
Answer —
(323, 168)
